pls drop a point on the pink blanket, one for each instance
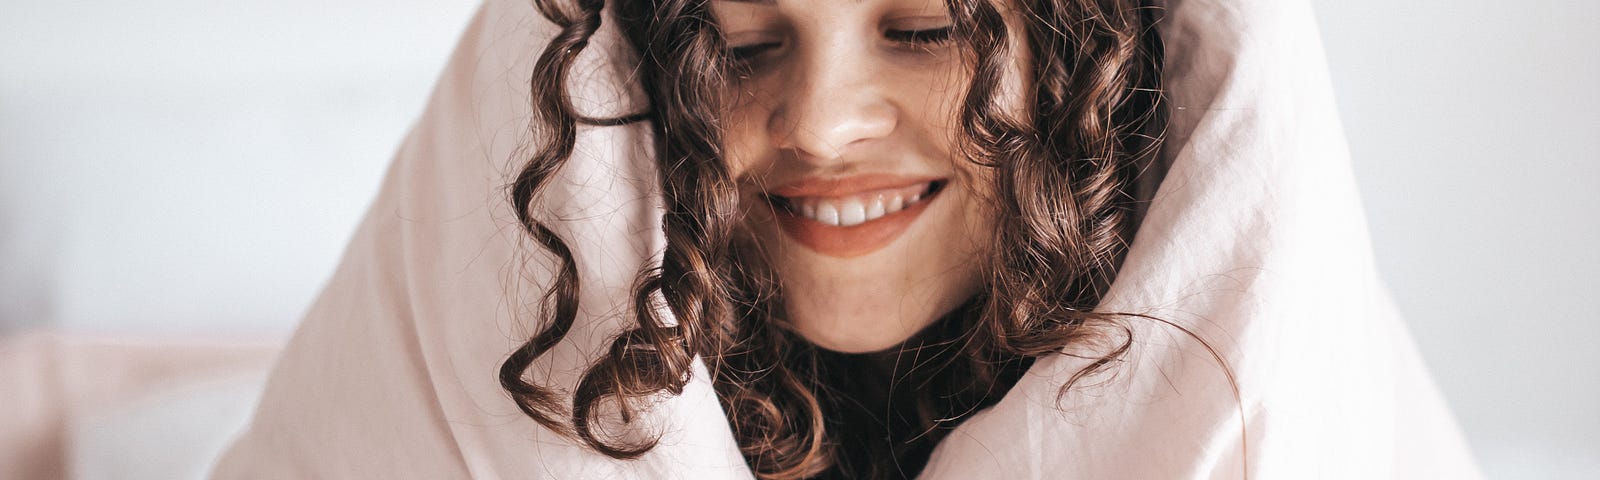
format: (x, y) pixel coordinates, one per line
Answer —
(53, 382)
(1255, 241)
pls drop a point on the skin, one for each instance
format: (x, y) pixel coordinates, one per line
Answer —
(840, 88)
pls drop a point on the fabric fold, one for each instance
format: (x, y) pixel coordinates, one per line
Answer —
(1254, 242)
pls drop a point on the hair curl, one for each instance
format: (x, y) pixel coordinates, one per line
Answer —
(1064, 179)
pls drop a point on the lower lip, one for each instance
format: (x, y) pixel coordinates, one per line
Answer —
(854, 240)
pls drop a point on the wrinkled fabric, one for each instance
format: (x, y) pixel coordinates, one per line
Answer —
(1267, 349)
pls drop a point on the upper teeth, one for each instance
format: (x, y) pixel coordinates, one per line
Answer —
(860, 208)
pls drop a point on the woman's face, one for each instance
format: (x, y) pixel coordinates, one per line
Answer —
(842, 138)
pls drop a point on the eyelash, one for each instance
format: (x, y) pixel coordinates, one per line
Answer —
(749, 52)
(927, 37)
(932, 36)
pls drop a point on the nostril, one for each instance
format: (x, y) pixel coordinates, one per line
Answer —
(825, 128)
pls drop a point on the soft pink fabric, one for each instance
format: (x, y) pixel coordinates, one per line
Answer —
(49, 381)
(1255, 242)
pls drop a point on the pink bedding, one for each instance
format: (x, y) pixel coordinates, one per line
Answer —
(53, 382)
(1255, 241)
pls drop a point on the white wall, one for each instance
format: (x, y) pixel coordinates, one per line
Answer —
(180, 166)
(1475, 130)
(196, 166)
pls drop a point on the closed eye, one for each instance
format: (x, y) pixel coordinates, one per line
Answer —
(931, 36)
(745, 53)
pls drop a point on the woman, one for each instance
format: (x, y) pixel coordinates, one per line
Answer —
(1243, 334)
(840, 180)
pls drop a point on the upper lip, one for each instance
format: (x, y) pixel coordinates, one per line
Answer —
(841, 186)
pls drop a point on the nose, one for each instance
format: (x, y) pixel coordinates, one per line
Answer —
(835, 103)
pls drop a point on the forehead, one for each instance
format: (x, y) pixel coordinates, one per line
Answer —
(771, 2)
(812, 3)
(814, 6)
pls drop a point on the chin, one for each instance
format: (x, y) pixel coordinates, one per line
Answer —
(870, 325)
(874, 298)
(842, 338)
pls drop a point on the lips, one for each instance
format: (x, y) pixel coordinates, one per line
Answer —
(853, 216)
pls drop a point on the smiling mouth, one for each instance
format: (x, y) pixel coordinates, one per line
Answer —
(853, 224)
(855, 209)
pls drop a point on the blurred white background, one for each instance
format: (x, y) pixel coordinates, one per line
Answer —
(1474, 126)
(179, 167)
(189, 165)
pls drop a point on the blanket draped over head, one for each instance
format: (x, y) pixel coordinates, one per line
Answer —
(1254, 241)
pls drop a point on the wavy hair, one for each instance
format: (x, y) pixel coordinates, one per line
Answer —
(1064, 180)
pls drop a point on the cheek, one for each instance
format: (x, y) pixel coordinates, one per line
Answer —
(751, 160)
(746, 141)
(742, 140)
(938, 110)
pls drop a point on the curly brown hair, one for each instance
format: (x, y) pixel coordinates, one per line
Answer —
(1064, 182)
